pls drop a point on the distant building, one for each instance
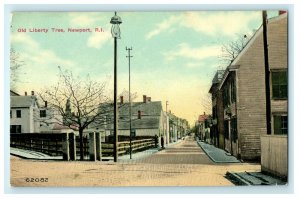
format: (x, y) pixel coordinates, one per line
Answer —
(178, 127)
(217, 129)
(203, 131)
(243, 90)
(173, 127)
(148, 119)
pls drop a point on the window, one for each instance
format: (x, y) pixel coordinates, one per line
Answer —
(214, 112)
(15, 128)
(10, 114)
(18, 113)
(279, 85)
(226, 131)
(226, 96)
(234, 133)
(42, 113)
(133, 133)
(280, 125)
(233, 91)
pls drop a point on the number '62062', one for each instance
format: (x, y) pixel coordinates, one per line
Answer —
(27, 179)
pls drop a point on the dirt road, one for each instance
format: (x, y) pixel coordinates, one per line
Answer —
(184, 164)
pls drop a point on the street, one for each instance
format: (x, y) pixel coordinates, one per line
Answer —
(185, 152)
(182, 164)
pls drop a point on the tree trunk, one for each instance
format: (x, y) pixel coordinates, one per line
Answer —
(81, 143)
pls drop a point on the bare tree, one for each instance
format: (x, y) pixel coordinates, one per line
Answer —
(75, 102)
(232, 49)
(125, 95)
(15, 64)
(206, 102)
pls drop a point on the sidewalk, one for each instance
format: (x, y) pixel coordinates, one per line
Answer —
(239, 178)
(142, 154)
(217, 155)
(35, 155)
(27, 154)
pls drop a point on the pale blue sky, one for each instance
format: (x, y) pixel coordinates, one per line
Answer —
(175, 53)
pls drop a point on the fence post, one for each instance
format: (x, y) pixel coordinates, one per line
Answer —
(98, 146)
(92, 146)
(30, 146)
(72, 142)
(65, 146)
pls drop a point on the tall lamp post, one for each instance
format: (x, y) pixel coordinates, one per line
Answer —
(115, 32)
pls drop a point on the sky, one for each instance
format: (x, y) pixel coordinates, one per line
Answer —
(175, 54)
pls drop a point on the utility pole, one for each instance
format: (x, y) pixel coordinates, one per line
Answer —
(167, 103)
(130, 137)
(267, 72)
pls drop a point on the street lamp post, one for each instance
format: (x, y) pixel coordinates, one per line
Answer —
(115, 32)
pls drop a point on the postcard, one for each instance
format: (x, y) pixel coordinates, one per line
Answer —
(160, 98)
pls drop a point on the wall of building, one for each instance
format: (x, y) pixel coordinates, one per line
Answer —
(140, 132)
(274, 154)
(24, 121)
(251, 108)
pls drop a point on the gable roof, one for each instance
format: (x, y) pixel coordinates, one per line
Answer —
(22, 101)
(149, 108)
(202, 118)
(12, 93)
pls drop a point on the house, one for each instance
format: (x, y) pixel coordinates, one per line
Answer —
(217, 129)
(23, 113)
(173, 127)
(183, 127)
(243, 91)
(147, 120)
(27, 115)
(203, 131)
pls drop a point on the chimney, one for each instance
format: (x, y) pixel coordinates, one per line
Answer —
(280, 12)
(148, 99)
(121, 99)
(25, 93)
(32, 93)
(144, 98)
(46, 104)
(139, 114)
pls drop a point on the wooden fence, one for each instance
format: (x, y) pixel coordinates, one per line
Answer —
(50, 144)
(124, 147)
(63, 145)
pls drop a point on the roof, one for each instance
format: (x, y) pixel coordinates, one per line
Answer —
(22, 101)
(150, 115)
(12, 93)
(217, 79)
(218, 76)
(149, 108)
(202, 118)
(57, 126)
